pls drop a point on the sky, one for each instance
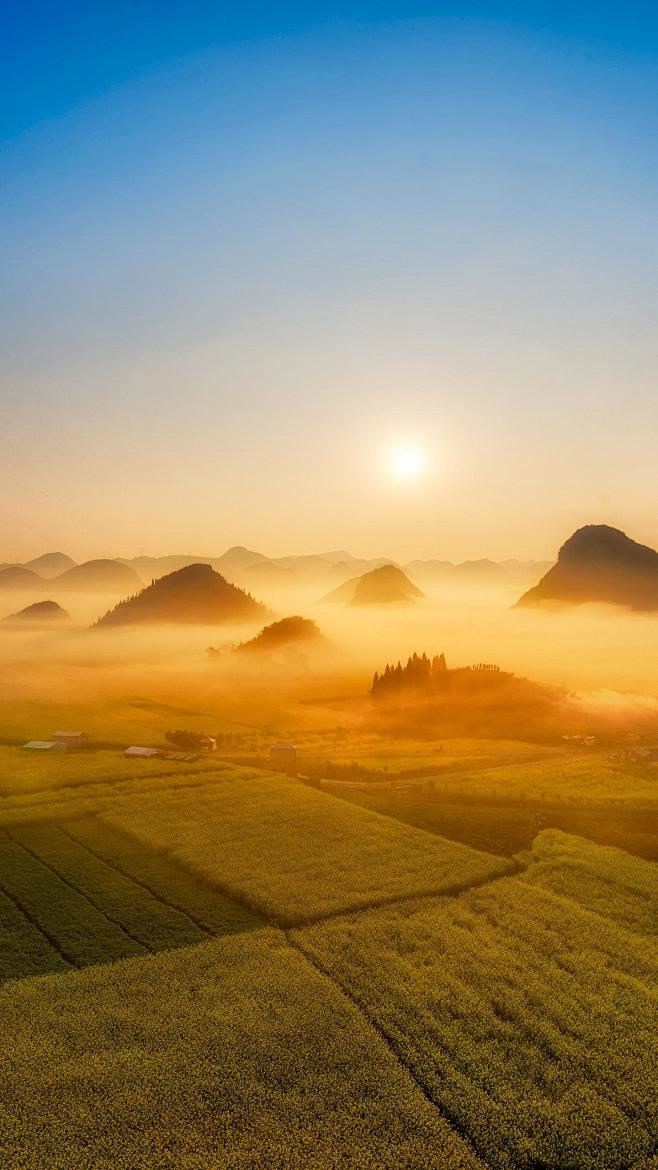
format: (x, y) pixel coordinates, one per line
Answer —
(251, 253)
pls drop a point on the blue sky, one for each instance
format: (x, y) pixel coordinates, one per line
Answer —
(57, 55)
(249, 251)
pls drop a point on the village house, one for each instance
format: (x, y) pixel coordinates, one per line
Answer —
(284, 755)
(44, 745)
(71, 739)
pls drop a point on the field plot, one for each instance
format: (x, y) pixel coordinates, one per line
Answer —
(234, 1054)
(411, 757)
(507, 770)
(295, 854)
(528, 1020)
(23, 773)
(608, 881)
(78, 895)
(591, 779)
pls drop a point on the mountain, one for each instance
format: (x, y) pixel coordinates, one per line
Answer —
(386, 585)
(267, 575)
(347, 570)
(150, 568)
(194, 594)
(235, 559)
(38, 612)
(483, 571)
(50, 564)
(600, 564)
(309, 569)
(100, 576)
(290, 631)
(17, 577)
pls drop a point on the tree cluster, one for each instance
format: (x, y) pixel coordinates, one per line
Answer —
(420, 673)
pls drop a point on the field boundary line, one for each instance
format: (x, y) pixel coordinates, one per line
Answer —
(181, 863)
(138, 881)
(454, 891)
(375, 1027)
(76, 889)
(50, 939)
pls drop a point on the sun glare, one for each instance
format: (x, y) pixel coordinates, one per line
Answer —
(407, 462)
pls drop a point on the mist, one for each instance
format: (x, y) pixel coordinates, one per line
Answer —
(604, 658)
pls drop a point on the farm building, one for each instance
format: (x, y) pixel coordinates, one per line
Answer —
(208, 743)
(142, 753)
(284, 755)
(71, 739)
(44, 745)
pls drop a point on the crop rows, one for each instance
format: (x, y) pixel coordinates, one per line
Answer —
(169, 883)
(235, 1053)
(528, 1020)
(293, 853)
(82, 895)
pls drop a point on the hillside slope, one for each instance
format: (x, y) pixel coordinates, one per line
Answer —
(98, 576)
(600, 564)
(39, 611)
(194, 594)
(386, 585)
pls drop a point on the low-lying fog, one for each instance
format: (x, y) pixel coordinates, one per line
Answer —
(586, 649)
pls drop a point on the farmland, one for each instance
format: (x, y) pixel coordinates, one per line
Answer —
(23, 773)
(492, 801)
(236, 1053)
(607, 881)
(268, 976)
(293, 853)
(529, 1020)
(72, 896)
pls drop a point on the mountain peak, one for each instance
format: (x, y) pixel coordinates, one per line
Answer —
(384, 585)
(599, 563)
(193, 594)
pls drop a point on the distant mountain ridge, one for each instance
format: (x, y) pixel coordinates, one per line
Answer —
(193, 594)
(98, 576)
(39, 611)
(250, 569)
(600, 564)
(386, 585)
(50, 564)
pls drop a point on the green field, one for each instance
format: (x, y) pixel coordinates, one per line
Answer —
(77, 895)
(26, 773)
(607, 881)
(275, 977)
(235, 1054)
(529, 1020)
(293, 853)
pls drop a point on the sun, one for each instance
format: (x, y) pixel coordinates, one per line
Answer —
(408, 462)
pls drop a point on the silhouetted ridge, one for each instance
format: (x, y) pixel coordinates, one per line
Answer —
(194, 594)
(16, 577)
(290, 631)
(600, 564)
(98, 576)
(385, 585)
(50, 564)
(39, 611)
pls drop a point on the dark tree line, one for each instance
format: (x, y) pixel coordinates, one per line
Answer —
(420, 674)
